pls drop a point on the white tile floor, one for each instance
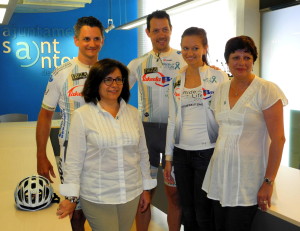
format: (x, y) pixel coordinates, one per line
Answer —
(158, 221)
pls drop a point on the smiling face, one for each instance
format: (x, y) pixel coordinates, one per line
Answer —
(160, 34)
(89, 42)
(111, 93)
(192, 50)
(240, 64)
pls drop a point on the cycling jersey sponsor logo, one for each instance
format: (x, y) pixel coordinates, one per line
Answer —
(75, 93)
(207, 94)
(151, 70)
(77, 76)
(156, 79)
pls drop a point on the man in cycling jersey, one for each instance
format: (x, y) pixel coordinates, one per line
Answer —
(153, 73)
(64, 89)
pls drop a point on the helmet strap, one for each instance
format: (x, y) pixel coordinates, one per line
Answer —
(55, 198)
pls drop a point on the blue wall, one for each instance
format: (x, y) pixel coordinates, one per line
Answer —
(33, 44)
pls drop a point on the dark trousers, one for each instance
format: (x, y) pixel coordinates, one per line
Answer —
(190, 168)
(238, 218)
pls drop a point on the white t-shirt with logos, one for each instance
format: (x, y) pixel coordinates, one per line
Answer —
(193, 135)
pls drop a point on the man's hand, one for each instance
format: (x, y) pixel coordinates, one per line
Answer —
(43, 127)
(45, 168)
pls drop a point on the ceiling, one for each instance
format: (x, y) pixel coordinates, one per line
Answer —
(41, 6)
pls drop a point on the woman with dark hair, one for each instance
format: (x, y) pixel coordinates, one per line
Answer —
(192, 130)
(107, 162)
(242, 170)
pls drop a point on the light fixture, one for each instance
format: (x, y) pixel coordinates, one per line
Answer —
(175, 9)
(55, 3)
(2, 13)
(110, 26)
(38, 6)
(4, 2)
(7, 8)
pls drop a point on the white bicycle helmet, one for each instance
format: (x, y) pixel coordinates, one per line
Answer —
(34, 193)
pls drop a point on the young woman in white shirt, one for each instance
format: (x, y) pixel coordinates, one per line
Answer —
(107, 162)
(192, 130)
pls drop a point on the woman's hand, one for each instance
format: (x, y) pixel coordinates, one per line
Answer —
(264, 196)
(145, 201)
(65, 208)
(167, 173)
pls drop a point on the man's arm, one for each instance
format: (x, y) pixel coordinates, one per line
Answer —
(132, 75)
(44, 167)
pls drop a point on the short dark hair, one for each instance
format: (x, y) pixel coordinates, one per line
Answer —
(87, 21)
(242, 42)
(202, 34)
(98, 72)
(158, 14)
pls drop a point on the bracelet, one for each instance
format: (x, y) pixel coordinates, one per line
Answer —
(73, 199)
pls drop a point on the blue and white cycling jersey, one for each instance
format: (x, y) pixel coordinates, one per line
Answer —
(64, 89)
(154, 73)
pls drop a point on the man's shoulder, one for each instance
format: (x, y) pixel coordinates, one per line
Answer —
(139, 60)
(176, 55)
(64, 67)
(175, 51)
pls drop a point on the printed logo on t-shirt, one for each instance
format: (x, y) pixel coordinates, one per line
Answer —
(207, 94)
(74, 93)
(51, 78)
(177, 93)
(77, 76)
(151, 70)
(156, 79)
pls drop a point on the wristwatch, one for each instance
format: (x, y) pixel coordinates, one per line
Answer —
(268, 181)
(73, 199)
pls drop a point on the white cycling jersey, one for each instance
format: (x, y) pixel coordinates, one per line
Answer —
(154, 72)
(64, 88)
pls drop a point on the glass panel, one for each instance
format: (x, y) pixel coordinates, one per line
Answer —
(280, 49)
